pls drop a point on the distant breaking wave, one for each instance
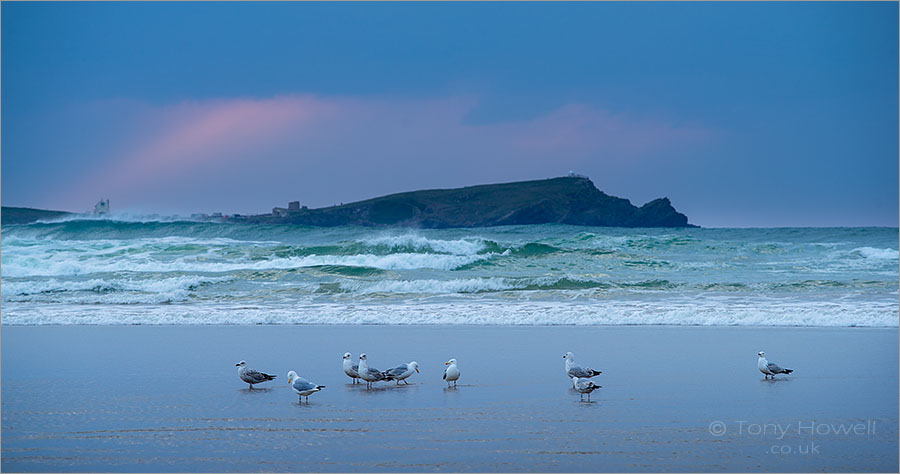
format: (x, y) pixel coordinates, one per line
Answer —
(100, 271)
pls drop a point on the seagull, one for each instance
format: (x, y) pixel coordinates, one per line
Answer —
(769, 368)
(369, 374)
(402, 372)
(451, 373)
(251, 376)
(584, 386)
(301, 386)
(575, 370)
(350, 368)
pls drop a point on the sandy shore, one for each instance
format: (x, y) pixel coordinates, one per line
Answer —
(167, 398)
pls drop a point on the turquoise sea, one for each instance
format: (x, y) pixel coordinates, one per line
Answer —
(134, 271)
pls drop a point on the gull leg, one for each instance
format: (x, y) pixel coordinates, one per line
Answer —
(407, 383)
(251, 386)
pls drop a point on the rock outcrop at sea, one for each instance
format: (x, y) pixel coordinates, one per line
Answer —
(567, 200)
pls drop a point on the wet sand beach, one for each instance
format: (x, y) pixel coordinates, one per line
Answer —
(167, 398)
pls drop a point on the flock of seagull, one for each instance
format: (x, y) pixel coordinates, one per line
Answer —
(360, 370)
(580, 376)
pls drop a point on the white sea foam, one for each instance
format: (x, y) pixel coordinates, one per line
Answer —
(469, 246)
(696, 312)
(876, 253)
(125, 217)
(100, 256)
(110, 290)
(465, 285)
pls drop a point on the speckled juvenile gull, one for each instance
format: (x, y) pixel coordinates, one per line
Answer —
(575, 370)
(252, 376)
(583, 386)
(301, 386)
(350, 368)
(769, 368)
(402, 372)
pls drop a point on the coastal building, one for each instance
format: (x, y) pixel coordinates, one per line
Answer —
(293, 206)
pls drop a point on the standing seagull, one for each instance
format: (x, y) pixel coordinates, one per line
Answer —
(301, 386)
(251, 376)
(583, 386)
(575, 370)
(350, 368)
(451, 373)
(402, 372)
(769, 368)
(369, 374)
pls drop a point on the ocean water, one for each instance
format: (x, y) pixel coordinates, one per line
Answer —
(108, 271)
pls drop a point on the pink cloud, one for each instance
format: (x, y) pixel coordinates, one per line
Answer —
(242, 140)
(217, 133)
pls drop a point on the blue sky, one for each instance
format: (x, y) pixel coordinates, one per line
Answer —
(743, 114)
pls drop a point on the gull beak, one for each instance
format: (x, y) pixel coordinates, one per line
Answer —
(417, 370)
(236, 365)
(446, 363)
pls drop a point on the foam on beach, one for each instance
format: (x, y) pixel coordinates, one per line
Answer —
(614, 313)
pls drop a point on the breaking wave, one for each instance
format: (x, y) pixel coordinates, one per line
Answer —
(178, 271)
